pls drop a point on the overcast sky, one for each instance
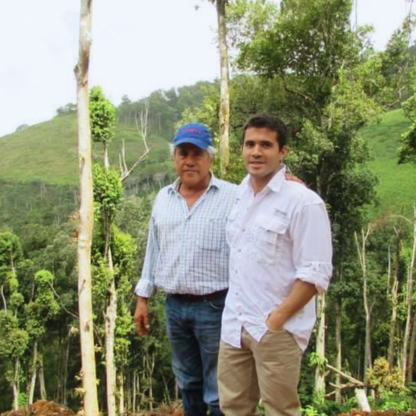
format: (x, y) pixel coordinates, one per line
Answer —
(138, 46)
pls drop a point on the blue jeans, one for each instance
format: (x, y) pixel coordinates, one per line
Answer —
(194, 330)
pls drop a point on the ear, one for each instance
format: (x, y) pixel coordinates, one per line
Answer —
(284, 151)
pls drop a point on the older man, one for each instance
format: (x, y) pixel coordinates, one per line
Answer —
(187, 257)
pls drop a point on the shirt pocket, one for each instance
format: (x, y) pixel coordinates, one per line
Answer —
(212, 234)
(269, 235)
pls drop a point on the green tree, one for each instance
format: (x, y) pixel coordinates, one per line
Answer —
(13, 337)
(407, 150)
(38, 312)
(102, 119)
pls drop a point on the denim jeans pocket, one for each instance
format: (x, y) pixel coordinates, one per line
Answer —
(217, 304)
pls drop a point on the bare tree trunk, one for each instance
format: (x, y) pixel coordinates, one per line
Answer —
(319, 388)
(16, 384)
(65, 394)
(41, 376)
(3, 298)
(393, 295)
(33, 371)
(176, 391)
(412, 352)
(224, 114)
(89, 378)
(110, 324)
(338, 332)
(361, 250)
(134, 391)
(150, 369)
(121, 391)
(409, 304)
(106, 161)
(362, 400)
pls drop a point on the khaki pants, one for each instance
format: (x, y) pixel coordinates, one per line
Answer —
(268, 369)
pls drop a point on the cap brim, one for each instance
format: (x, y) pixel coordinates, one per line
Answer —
(196, 142)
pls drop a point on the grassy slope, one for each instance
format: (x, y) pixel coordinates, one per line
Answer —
(47, 152)
(397, 183)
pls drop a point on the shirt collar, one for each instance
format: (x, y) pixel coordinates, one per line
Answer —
(213, 183)
(274, 184)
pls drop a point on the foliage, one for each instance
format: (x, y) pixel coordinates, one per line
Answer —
(66, 109)
(397, 62)
(246, 19)
(102, 117)
(407, 150)
(43, 308)
(10, 255)
(13, 339)
(400, 403)
(383, 379)
(108, 190)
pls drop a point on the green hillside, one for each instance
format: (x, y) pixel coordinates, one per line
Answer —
(397, 183)
(42, 160)
(47, 152)
(39, 170)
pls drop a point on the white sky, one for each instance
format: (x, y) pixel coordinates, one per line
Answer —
(138, 46)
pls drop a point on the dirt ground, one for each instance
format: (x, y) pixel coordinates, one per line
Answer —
(42, 408)
(45, 408)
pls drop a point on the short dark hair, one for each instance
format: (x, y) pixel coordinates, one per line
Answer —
(270, 122)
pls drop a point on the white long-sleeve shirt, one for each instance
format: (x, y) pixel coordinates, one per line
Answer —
(276, 236)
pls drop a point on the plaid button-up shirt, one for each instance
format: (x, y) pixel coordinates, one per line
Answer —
(186, 248)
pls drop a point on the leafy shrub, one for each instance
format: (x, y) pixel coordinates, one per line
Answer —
(384, 380)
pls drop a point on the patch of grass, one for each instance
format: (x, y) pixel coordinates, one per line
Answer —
(48, 152)
(397, 183)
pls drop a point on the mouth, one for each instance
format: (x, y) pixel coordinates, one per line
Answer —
(256, 164)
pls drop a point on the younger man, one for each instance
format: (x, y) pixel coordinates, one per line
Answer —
(280, 258)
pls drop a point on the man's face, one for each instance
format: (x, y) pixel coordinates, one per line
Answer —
(261, 153)
(192, 164)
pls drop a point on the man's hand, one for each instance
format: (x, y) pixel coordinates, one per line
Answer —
(300, 294)
(141, 317)
(276, 320)
(291, 177)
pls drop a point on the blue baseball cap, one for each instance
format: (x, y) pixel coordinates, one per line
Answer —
(194, 133)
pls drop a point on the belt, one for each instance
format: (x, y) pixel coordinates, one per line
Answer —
(200, 298)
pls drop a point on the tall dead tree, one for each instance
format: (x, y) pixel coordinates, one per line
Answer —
(393, 295)
(409, 306)
(224, 113)
(362, 256)
(319, 386)
(88, 372)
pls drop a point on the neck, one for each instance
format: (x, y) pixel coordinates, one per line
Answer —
(195, 188)
(259, 183)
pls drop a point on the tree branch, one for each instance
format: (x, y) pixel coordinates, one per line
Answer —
(349, 378)
(142, 129)
(60, 301)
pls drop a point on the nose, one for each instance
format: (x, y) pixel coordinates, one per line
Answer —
(256, 151)
(190, 161)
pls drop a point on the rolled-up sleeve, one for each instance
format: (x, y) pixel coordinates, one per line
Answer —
(312, 250)
(146, 285)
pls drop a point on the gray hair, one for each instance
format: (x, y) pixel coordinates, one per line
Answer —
(210, 150)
